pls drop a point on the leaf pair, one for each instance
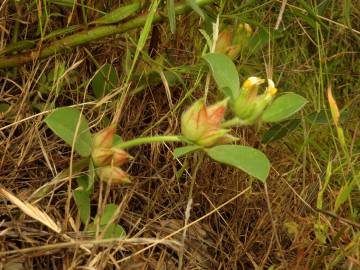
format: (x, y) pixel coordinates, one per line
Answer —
(227, 79)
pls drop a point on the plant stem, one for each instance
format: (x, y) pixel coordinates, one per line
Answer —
(145, 140)
(90, 35)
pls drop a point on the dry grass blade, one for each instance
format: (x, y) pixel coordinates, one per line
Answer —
(31, 211)
(333, 107)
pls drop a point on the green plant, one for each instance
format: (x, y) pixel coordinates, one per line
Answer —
(203, 128)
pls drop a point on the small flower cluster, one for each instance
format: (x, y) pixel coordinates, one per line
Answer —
(107, 158)
(249, 105)
(202, 125)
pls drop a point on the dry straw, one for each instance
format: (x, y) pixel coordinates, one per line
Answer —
(31, 211)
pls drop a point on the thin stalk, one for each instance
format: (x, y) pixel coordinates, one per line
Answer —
(146, 140)
(188, 209)
(89, 36)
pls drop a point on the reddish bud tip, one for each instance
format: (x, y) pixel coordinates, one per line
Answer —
(113, 175)
(104, 138)
(202, 125)
(102, 156)
(119, 156)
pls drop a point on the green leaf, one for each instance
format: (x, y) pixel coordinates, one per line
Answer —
(56, 73)
(311, 16)
(82, 201)
(118, 14)
(64, 121)
(172, 78)
(247, 159)
(4, 107)
(262, 38)
(180, 151)
(320, 117)
(83, 181)
(310, 20)
(171, 15)
(347, 12)
(320, 196)
(53, 81)
(208, 25)
(283, 107)
(225, 74)
(147, 27)
(321, 232)
(324, 117)
(104, 81)
(280, 130)
(144, 35)
(113, 231)
(196, 8)
(207, 38)
(322, 7)
(343, 196)
(108, 213)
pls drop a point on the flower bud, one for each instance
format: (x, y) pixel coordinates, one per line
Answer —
(112, 174)
(233, 39)
(216, 113)
(219, 136)
(102, 156)
(194, 121)
(202, 125)
(119, 156)
(224, 41)
(104, 138)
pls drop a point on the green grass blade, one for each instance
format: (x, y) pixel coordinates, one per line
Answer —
(118, 14)
(171, 15)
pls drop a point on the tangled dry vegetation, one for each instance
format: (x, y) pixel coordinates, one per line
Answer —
(234, 222)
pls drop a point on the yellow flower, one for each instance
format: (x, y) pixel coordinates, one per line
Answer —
(244, 105)
(249, 105)
(271, 90)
